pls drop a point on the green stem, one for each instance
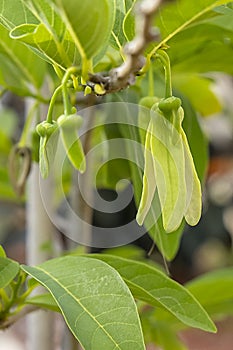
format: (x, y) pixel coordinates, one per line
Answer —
(66, 100)
(151, 82)
(52, 103)
(164, 58)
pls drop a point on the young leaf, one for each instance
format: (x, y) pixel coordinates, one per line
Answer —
(149, 180)
(193, 186)
(48, 146)
(73, 146)
(117, 37)
(214, 290)
(90, 23)
(21, 71)
(168, 244)
(129, 25)
(197, 140)
(169, 164)
(205, 101)
(2, 252)
(154, 287)
(95, 302)
(8, 271)
(43, 300)
(175, 17)
(38, 24)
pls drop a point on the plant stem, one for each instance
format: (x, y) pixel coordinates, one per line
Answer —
(52, 103)
(164, 58)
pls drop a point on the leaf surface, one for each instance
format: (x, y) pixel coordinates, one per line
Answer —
(154, 287)
(96, 304)
(8, 271)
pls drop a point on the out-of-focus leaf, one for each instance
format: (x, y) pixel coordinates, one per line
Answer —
(21, 71)
(129, 25)
(196, 138)
(198, 90)
(214, 290)
(2, 252)
(45, 301)
(175, 17)
(8, 271)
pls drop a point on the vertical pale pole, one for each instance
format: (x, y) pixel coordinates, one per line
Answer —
(39, 234)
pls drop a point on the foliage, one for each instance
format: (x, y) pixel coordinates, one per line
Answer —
(79, 53)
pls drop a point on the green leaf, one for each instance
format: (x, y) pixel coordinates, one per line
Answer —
(168, 244)
(198, 90)
(40, 26)
(214, 290)
(197, 140)
(117, 37)
(20, 69)
(129, 25)
(154, 287)
(160, 333)
(95, 302)
(169, 165)
(90, 23)
(68, 126)
(43, 301)
(2, 252)
(48, 147)
(175, 17)
(8, 271)
(149, 180)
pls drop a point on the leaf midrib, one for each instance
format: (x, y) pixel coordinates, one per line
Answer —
(79, 302)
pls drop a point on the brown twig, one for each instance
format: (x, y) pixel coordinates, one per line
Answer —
(15, 317)
(124, 75)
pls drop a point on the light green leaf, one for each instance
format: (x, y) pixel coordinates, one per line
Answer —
(154, 287)
(48, 147)
(168, 244)
(8, 271)
(68, 126)
(95, 302)
(129, 25)
(214, 290)
(193, 186)
(117, 37)
(21, 71)
(149, 180)
(196, 138)
(169, 164)
(2, 252)
(43, 301)
(211, 58)
(160, 333)
(90, 23)
(42, 30)
(145, 105)
(174, 17)
(198, 90)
